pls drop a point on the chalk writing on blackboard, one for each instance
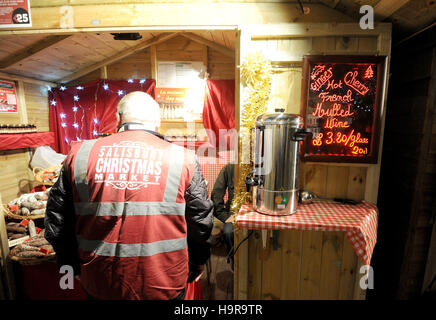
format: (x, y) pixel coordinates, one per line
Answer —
(340, 104)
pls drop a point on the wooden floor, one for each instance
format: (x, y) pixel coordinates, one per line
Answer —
(220, 284)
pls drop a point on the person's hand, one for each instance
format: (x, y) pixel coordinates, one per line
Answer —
(195, 272)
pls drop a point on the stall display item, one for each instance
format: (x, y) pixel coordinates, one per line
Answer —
(33, 251)
(17, 128)
(185, 138)
(274, 177)
(47, 177)
(16, 230)
(28, 206)
(171, 111)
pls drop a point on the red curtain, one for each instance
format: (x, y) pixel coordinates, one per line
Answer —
(219, 112)
(82, 112)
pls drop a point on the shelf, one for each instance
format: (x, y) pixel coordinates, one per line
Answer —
(179, 121)
(194, 144)
(26, 140)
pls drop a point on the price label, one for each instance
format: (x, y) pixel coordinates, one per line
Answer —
(15, 13)
(24, 222)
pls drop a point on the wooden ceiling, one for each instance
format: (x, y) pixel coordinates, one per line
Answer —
(62, 58)
(407, 16)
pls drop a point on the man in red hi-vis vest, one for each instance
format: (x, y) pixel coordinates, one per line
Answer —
(130, 212)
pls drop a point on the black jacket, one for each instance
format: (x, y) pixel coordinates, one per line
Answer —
(60, 220)
(223, 182)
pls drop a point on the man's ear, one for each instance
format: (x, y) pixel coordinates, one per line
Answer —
(118, 120)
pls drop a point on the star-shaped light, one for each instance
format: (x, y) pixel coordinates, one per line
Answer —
(75, 125)
(62, 115)
(48, 88)
(95, 120)
(63, 124)
(120, 92)
(74, 109)
(79, 88)
(66, 140)
(95, 133)
(78, 139)
(53, 102)
(141, 81)
(106, 86)
(130, 81)
(62, 88)
(76, 98)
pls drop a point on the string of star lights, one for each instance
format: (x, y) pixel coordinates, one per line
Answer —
(77, 106)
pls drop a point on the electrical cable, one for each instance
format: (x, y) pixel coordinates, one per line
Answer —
(231, 253)
(301, 6)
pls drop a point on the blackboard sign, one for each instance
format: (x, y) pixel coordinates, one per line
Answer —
(341, 97)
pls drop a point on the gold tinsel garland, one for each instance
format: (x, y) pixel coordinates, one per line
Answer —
(256, 76)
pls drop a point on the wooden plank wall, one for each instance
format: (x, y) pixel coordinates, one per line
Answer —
(15, 175)
(37, 105)
(307, 264)
(138, 65)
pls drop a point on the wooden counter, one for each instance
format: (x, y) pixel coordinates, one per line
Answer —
(316, 253)
(307, 265)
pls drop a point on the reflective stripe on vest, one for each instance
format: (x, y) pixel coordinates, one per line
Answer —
(121, 250)
(174, 173)
(117, 209)
(81, 169)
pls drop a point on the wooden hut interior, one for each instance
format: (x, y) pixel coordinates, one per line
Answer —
(75, 42)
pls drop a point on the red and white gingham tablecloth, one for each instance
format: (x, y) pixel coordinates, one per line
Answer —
(359, 222)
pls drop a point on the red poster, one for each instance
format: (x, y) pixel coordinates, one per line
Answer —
(8, 97)
(15, 13)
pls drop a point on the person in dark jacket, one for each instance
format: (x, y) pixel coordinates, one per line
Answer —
(130, 212)
(223, 183)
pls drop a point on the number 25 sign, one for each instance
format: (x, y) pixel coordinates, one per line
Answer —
(15, 14)
(341, 97)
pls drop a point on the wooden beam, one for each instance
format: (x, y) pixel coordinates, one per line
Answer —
(224, 50)
(373, 172)
(154, 29)
(22, 102)
(196, 13)
(205, 57)
(331, 3)
(119, 56)
(305, 30)
(31, 50)
(8, 76)
(385, 8)
(153, 61)
(103, 72)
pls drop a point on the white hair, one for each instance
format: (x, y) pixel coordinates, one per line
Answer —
(139, 106)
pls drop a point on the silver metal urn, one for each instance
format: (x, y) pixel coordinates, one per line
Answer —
(274, 179)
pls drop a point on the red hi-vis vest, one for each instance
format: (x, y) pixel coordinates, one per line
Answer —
(129, 198)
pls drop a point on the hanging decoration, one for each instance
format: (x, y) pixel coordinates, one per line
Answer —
(256, 77)
(89, 110)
